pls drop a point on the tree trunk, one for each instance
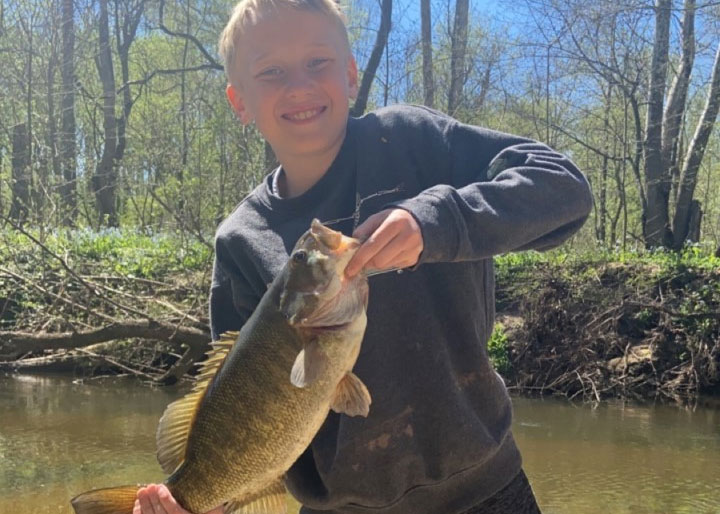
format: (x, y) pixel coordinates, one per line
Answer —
(677, 97)
(126, 24)
(656, 229)
(485, 87)
(105, 178)
(428, 80)
(68, 189)
(26, 139)
(457, 55)
(51, 136)
(693, 159)
(603, 214)
(369, 73)
(694, 222)
(20, 205)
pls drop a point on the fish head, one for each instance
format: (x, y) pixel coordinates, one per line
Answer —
(316, 293)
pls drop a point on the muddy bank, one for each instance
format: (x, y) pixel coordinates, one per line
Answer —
(611, 329)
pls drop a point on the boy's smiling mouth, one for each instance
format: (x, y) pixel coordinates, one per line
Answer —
(304, 114)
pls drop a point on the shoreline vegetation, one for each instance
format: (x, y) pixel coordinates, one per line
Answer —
(591, 327)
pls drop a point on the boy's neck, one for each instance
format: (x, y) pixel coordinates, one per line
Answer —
(295, 180)
(299, 175)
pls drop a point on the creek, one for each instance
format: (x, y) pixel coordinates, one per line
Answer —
(59, 438)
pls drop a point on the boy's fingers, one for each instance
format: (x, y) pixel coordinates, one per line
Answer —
(143, 498)
(136, 508)
(372, 245)
(150, 500)
(370, 225)
(389, 255)
(168, 502)
(155, 500)
(394, 241)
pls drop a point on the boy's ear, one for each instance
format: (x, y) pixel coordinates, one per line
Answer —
(352, 78)
(237, 104)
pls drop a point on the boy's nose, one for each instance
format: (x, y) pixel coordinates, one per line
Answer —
(299, 84)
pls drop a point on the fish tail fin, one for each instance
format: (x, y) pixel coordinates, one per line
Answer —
(111, 500)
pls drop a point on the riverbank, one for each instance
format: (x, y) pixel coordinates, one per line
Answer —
(592, 326)
(610, 326)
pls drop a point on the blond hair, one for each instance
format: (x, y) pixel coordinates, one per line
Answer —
(248, 12)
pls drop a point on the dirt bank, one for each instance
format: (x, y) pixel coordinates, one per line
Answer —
(612, 329)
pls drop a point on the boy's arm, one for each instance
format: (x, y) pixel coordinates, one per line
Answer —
(523, 196)
(231, 298)
(486, 193)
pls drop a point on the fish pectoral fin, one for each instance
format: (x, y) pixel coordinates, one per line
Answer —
(271, 500)
(309, 365)
(351, 397)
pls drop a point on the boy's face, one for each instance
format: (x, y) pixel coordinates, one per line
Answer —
(294, 76)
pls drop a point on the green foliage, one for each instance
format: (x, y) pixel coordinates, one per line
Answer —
(109, 251)
(498, 349)
(188, 161)
(657, 263)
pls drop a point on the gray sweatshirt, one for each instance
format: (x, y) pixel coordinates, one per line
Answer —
(438, 439)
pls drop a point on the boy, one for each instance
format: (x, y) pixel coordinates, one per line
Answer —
(441, 198)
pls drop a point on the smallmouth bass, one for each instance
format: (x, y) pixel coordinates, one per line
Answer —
(264, 392)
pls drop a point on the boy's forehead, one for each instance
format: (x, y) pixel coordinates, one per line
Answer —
(294, 22)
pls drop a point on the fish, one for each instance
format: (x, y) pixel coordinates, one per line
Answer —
(263, 392)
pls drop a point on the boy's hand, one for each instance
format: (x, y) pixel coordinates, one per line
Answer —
(156, 499)
(391, 239)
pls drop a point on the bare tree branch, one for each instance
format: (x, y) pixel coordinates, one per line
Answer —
(211, 60)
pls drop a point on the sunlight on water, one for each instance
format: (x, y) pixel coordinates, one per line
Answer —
(58, 439)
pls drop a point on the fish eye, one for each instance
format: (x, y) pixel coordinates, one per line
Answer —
(300, 256)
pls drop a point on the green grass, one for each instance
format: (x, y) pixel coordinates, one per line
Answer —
(111, 251)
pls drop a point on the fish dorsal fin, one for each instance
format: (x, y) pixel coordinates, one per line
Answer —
(271, 500)
(351, 397)
(174, 426)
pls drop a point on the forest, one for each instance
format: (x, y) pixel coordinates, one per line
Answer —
(119, 155)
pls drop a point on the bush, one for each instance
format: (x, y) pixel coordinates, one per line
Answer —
(498, 349)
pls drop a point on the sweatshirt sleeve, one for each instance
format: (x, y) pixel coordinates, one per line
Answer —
(231, 298)
(521, 196)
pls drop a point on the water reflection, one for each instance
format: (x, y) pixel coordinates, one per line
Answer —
(620, 458)
(58, 438)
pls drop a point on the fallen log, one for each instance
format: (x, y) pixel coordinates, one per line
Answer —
(18, 343)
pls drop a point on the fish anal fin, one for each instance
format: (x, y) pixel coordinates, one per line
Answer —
(309, 365)
(351, 397)
(174, 426)
(271, 500)
(111, 500)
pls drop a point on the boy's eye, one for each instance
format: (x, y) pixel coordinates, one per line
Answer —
(270, 73)
(318, 63)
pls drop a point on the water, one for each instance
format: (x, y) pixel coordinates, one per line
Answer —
(58, 438)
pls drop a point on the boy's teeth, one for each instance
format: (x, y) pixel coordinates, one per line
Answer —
(303, 115)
